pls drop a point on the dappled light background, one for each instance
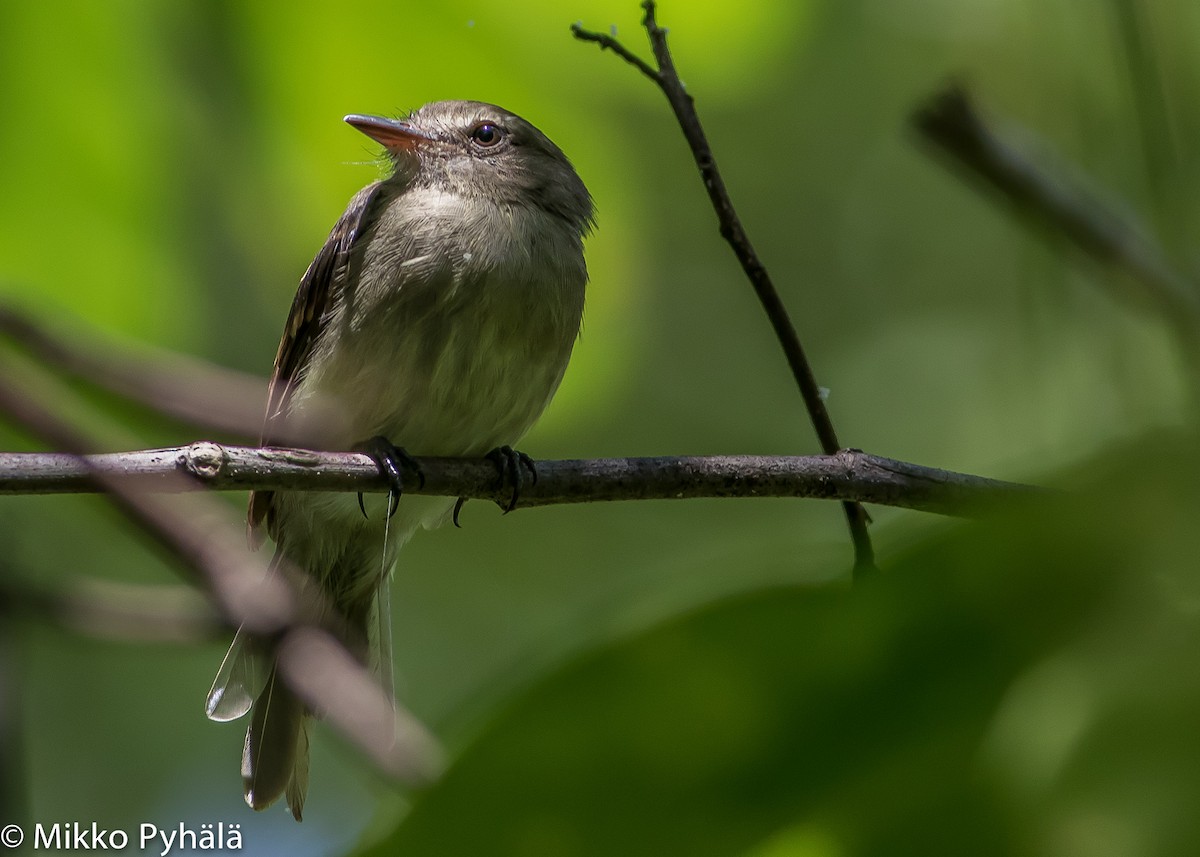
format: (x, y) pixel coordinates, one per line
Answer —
(667, 678)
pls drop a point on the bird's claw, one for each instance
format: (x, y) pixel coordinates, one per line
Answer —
(392, 461)
(510, 465)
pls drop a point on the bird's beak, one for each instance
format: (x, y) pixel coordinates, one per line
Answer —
(398, 137)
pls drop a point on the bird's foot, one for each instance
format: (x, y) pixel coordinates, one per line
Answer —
(392, 461)
(510, 466)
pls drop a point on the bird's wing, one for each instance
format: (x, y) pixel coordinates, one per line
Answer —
(325, 278)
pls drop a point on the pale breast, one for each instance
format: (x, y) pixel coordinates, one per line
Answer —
(458, 330)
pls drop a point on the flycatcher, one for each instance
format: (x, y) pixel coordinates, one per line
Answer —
(440, 316)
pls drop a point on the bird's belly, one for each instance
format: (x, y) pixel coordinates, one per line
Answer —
(462, 407)
(461, 379)
(460, 384)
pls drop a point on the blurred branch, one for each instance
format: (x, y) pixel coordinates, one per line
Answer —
(951, 122)
(185, 389)
(334, 684)
(847, 476)
(683, 105)
(14, 773)
(1160, 139)
(109, 610)
(198, 534)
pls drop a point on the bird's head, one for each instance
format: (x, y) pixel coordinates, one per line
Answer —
(471, 148)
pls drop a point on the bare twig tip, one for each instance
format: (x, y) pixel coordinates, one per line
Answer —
(666, 77)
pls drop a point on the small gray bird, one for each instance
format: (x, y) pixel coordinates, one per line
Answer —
(439, 315)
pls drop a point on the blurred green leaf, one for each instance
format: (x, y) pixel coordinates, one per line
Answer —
(1014, 686)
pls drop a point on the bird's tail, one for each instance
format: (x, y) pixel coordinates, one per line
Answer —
(275, 758)
(275, 755)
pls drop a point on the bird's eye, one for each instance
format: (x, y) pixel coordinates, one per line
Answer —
(486, 134)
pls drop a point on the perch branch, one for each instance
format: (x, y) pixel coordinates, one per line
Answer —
(847, 476)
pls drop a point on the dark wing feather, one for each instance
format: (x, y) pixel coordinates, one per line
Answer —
(319, 288)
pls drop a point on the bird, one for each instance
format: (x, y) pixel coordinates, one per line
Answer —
(437, 320)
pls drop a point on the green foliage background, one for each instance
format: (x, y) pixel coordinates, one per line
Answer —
(661, 678)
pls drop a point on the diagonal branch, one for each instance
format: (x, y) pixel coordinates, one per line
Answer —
(200, 537)
(184, 389)
(108, 610)
(683, 105)
(848, 476)
(950, 121)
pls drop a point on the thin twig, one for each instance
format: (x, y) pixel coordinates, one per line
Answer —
(683, 105)
(848, 476)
